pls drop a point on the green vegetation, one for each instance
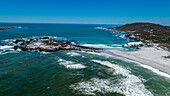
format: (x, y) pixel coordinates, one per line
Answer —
(155, 33)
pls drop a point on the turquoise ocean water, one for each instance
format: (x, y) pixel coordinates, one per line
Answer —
(72, 73)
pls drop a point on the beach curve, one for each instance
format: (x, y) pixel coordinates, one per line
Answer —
(148, 57)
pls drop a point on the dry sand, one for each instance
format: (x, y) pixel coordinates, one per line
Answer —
(151, 56)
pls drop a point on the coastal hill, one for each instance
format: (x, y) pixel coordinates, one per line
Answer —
(147, 33)
(142, 26)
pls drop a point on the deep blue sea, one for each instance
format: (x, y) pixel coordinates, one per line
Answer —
(73, 73)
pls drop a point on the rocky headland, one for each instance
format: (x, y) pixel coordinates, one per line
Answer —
(45, 44)
(147, 33)
(153, 40)
(4, 28)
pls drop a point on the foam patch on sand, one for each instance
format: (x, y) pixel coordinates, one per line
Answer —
(130, 85)
(70, 64)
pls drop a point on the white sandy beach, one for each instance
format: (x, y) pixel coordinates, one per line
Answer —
(151, 56)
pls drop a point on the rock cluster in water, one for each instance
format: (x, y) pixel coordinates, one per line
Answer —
(44, 44)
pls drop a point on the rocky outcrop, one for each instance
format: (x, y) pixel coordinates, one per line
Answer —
(44, 44)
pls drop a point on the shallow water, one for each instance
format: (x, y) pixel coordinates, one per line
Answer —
(70, 73)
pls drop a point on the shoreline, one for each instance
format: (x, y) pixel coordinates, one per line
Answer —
(148, 57)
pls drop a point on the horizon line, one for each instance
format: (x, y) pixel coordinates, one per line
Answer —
(77, 23)
(59, 23)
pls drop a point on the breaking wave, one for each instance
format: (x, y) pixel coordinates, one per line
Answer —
(106, 54)
(70, 64)
(7, 49)
(129, 85)
(96, 45)
(73, 54)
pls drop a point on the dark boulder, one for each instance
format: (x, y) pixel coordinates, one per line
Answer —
(18, 40)
(24, 48)
(44, 38)
(48, 49)
(31, 39)
(15, 47)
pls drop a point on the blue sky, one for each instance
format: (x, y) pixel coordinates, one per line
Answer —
(85, 11)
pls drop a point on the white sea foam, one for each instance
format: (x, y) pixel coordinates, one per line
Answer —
(145, 66)
(149, 67)
(116, 45)
(156, 71)
(6, 52)
(103, 28)
(6, 47)
(60, 60)
(70, 64)
(130, 85)
(44, 52)
(75, 66)
(129, 60)
(73, 54)
(19, 27)
(99, 28)
(34, 37)
(7, 40)
(96, 45)
(118, 69)
(122, 36)
(94, 53)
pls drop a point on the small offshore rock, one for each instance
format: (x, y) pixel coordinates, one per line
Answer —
(44, 38)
